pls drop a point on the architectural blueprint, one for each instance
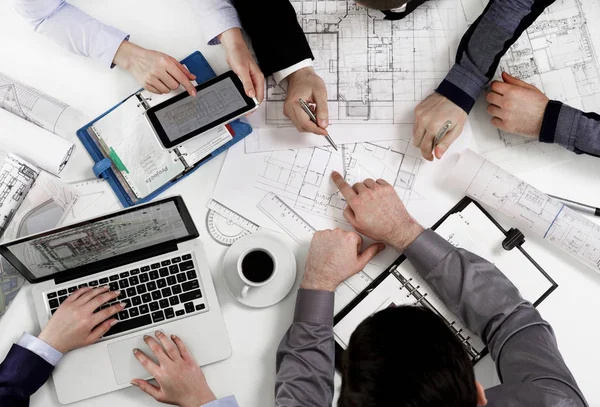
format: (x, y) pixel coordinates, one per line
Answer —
(301, 177)
(10, 284)
(534, 211)
(16, 178)
(559, 54)
(376, 71)
(39, 108)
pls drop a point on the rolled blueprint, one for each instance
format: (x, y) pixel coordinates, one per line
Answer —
(533, 210)
(40, 109)
(36, 145)
(16, 178)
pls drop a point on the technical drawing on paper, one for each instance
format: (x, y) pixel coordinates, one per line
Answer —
(544, 216)
(375, 70)
(16, 179)
(301, 177)
(30, 104)
(10, 284)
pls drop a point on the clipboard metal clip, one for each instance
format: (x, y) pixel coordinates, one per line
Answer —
(514, 238)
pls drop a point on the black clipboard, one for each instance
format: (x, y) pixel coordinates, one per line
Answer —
(514, 240)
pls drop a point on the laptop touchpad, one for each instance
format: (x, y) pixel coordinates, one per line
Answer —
(125, 366)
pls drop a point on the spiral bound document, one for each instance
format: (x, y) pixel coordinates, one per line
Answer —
(467, 226)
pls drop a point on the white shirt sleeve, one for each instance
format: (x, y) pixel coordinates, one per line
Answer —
(224, 402)
(284, 73)
(216, 17)
(72, 29)
(40, 348)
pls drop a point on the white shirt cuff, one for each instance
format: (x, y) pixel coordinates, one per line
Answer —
(284, 73)
(400, 9)
(229, 401)
(220, 22)
(40, 348)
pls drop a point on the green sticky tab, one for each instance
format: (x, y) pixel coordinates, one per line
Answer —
(115, 159)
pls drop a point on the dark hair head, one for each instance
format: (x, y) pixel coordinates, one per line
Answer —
(383, 4)
(406, 356)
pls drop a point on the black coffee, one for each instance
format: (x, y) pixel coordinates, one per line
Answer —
(257, 266)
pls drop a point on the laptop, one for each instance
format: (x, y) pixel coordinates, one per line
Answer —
(149, 252)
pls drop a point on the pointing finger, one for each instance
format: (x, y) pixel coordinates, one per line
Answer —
(343, 186)
(182, 78)
(145, 361)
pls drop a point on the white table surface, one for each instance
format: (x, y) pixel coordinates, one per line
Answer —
(250, 373)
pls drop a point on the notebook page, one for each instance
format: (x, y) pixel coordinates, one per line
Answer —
(472, 230)
(135, 150)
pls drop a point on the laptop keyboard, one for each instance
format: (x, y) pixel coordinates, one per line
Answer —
(153, 293)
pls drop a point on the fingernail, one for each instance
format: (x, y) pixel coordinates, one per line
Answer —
(146, 337)
(123, 304)
(251, 93)
(173, 337)
(323, 123)
(134, 384)
(115, 322)
(135, 351)
(157, 333)
(335, 173)
(117, 293)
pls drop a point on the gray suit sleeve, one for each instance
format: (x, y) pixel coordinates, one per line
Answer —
(521, 343)
(571, 128)
(306, 354)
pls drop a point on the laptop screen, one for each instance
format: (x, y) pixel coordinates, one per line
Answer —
(101, 240)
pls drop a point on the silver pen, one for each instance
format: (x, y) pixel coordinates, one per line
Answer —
(591, 210)
(313, 119)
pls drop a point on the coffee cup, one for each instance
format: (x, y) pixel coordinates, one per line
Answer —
(256, 267)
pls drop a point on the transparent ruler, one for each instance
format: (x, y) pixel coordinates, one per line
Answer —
(226, 226)
(287, 219)
(302, 232)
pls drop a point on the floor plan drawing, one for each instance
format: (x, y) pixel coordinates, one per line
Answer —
(16, 179)
(301, 177)
(375, 70)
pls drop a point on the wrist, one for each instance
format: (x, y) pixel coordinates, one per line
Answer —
(232, 39)
(125, 55)
(47, 339)
(310, 283)
(405, 235)
(300, 73)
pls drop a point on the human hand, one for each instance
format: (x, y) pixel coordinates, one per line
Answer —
(75, 325)
(180, 380)
(430, 116)
(335, 256)
(517, 106)
(307, 85)
(242, 63)
(375, 210)
(155, 71)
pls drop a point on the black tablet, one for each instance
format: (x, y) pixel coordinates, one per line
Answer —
(219, 101)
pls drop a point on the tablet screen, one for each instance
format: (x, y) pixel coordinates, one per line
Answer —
(182, 117)
(191, 113)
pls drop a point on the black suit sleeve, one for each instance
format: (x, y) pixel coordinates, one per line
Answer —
(21, 374)
(276, 36)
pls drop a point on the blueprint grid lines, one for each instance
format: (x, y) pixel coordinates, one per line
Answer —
(369, 65)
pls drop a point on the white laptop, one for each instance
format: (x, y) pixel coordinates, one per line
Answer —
(149, 252)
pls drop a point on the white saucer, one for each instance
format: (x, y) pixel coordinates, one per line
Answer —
(277, 288)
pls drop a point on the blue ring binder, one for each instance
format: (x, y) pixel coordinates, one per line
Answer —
(200, 67)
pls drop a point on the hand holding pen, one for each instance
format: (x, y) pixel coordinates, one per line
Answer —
(313, 119)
